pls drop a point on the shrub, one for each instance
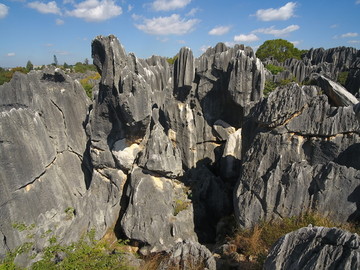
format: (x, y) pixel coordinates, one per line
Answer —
(342, 77)
(88, 84)
(274, 69)
(82, 68)
(172, 60)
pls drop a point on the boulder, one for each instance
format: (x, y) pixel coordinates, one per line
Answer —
(158, 214)
(338, 95)
(315, 248)
(188, 255)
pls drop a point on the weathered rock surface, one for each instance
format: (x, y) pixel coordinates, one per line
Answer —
(158, 214)
(189, 255)
(176, 139)
(315, 248)
(337, 94)
(329, 63)
(302, 152)
(43, 169)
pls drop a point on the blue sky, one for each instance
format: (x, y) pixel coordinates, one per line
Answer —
(36, 30)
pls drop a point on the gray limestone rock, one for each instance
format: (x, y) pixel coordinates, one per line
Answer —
(42, 148)
(223, 130)
(184, 73)
(125, 154)
(159, 214)
(188, 255)
(315, 248)
(247, 79)
(161, 155)
(336, 93)
(302, 149)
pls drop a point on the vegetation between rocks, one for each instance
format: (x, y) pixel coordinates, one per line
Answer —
(250, 247)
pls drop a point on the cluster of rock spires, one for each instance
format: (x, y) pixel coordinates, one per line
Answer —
(164, 152)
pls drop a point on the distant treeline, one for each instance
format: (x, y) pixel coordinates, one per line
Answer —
(7, 74)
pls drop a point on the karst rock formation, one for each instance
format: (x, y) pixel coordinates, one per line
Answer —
(164, 152)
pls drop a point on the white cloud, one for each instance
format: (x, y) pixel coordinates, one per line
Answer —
(4, 10)
(246, 38)
(49, 45)
(347, 35)
(334, 26)
(166, 5)
(95, 10)
(10, 54)
(357, 2)
(130, 7)
(62, 52)
(218, 31)
(172, 25)
(192, 12)
(296, 42)
(50, 7)
(277, 32)
(163, 39)
(59, 22)
(281, 14)
(181, 41)
(230, 43)
(136, 17)
(354, 41)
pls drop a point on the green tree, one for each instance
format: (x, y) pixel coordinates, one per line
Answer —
(29, 65)
(86, 62)
(280, 49)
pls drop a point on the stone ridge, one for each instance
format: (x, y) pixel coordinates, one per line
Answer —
(165, 152)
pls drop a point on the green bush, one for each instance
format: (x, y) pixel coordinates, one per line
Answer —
(342, 77)
(82, 68)
(89, 86)
(6, 75)
(274, 69)
(172, 60)
(271, 86)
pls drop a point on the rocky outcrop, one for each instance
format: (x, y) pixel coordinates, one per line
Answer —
(301, 152)
(188, 255)
(329, 63)
(165, 152)
(150, 119)
(338, 95)
(159, 214)
(315, 248)
(43, 164)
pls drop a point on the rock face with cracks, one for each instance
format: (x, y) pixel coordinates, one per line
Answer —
(315, 248)
(166, 151)
(44, 163)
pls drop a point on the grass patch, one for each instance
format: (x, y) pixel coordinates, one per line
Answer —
(86, 254)
(180, 205)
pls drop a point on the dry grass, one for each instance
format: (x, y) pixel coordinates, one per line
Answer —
(256, 242)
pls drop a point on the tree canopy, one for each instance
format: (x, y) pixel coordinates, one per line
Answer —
(279, 49)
